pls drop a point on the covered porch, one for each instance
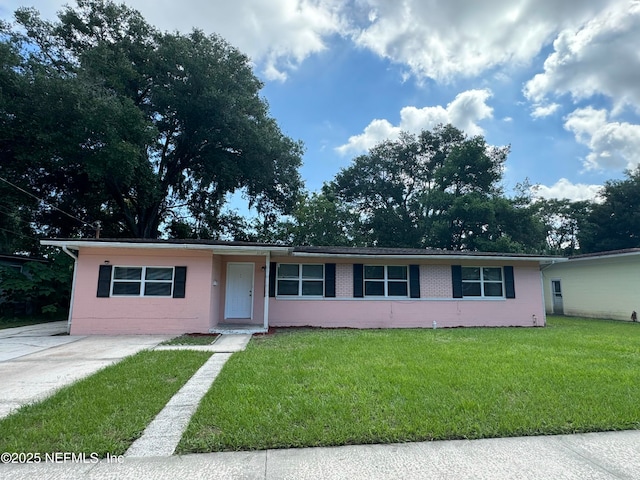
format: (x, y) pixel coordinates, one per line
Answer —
(240, 290)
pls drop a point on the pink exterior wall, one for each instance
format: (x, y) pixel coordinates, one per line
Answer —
(142, 315)
(435, 281)
(344, 280)
(216, 288)
(408, 313)
(203, 306)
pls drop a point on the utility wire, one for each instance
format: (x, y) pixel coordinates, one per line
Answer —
(47, 203)
(6, 211)
(19, 234)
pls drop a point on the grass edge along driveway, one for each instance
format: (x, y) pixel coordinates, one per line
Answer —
(103, 413)
(305, 388)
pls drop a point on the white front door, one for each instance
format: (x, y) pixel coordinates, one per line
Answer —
(238, 302)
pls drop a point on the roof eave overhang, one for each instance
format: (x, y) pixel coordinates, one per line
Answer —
(541, 260)
(603, 257)
(219, 249)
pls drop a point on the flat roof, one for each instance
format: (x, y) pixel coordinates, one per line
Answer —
(608, 253)
(364, 252)
(21, 258)
(229, 247)
(146, 241)
(301, 251)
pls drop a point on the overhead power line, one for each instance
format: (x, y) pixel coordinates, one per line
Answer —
(94, 226)
(6, 211)
(19, 234)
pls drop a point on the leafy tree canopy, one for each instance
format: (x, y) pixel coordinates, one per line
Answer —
(438, 189)
(615, 223)
(107, 118)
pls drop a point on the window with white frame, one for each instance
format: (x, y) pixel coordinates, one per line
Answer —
(482, 282)
(300, 280)
(386, 281)
(142, 281)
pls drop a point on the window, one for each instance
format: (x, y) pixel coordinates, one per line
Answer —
(385, 281)
(482, 282)
(142, 281)
(300, 280)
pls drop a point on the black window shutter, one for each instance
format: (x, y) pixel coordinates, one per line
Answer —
(179, 282)
(509, 283)
(358, 273)
(329, 279)
(414, 281)
(456, 280)
(104, 280)
(272, 279)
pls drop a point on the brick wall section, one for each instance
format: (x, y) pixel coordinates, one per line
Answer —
(435, 281)
(344, 280)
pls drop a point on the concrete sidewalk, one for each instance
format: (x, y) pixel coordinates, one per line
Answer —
(162, 435)
(600, 456)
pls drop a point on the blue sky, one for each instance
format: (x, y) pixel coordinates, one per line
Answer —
(558, 81)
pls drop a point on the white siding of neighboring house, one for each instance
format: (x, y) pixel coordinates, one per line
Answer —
(600, 287)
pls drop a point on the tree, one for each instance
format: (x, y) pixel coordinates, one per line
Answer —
(109, 119)
(615, 223)
(322, 221)
(438, 189)
(563, 220)
(16, 230)
(46, 288)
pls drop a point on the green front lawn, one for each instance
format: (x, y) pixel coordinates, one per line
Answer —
(105, 412)
(302, 388)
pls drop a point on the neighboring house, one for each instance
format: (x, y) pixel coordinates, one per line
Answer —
(17, 261)
(597, 285)
(188, 286)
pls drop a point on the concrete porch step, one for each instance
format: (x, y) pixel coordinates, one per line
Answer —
(237, 329)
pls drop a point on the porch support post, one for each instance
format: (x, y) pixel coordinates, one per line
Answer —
(266, 290)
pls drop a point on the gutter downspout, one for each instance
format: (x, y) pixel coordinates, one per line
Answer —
(266, 291)
(73, 285)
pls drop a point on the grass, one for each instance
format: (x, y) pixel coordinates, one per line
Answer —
(105, 412)
(192, 339)
(304, 388)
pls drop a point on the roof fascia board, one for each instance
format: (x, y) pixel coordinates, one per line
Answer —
(221, 249)
(432, 257)
(604, 257)
(258, 250)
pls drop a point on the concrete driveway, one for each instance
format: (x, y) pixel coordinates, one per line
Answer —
(36, 361)
(20, 341)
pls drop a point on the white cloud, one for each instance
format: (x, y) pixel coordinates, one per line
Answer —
(613, 145)
(374, 133)
(540, 111)
(278, 34)
(463, 112)
(47, 8)
(564, 189)
(441, 40)
(599, 57)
